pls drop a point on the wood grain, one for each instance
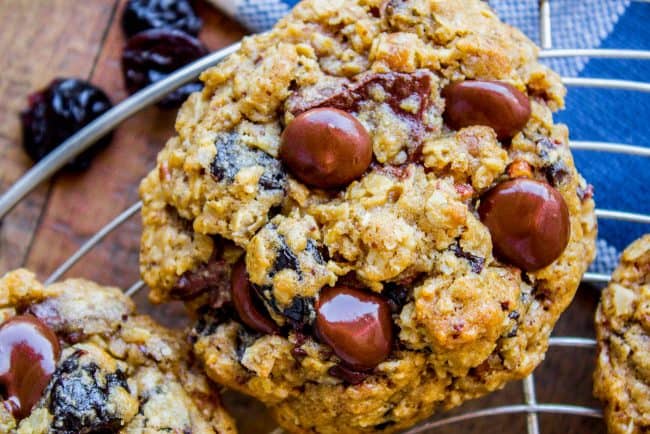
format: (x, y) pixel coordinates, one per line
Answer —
(43, 39)
(81, 204)
(39, 40)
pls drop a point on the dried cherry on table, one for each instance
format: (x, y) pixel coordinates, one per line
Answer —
(141, 15)
(152, 55)
(57, 112)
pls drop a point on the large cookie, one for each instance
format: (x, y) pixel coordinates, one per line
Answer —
(371, 213)
(622, 377)
(76, 358)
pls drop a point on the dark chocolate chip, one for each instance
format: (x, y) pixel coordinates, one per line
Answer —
(29, 351)
(326, 148)
(529, 222)
(495, 104)
(356, 324)
(247, 304)
(396, 86)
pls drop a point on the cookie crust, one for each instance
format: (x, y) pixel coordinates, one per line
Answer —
(466, 322)
(622, 376)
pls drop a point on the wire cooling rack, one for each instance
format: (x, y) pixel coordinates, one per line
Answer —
(107, 122)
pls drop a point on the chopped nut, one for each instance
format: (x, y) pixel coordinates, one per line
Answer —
(520, 169)
(623, 300)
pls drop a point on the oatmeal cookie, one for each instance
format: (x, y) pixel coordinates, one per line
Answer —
(622, 377)
(370, 213)
(76, 358)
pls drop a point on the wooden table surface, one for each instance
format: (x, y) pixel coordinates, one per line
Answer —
(44, 39)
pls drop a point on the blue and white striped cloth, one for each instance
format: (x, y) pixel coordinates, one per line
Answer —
(256, 15)
(621, 182)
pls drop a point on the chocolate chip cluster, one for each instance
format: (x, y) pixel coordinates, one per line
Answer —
(328, 148)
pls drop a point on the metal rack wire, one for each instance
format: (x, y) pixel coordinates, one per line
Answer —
(88, 135)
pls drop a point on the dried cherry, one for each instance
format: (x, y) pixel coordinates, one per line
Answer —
(152, 55)
(57, 112)
(141, 15)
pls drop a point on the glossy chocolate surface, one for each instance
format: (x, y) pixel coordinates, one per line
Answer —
(498, 105)
(326, 148)
(396, 87)
(357, 325)
(29, 351)
(243, 299)
(529, 222)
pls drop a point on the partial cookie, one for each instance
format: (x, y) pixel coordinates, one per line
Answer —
(622, 377)
(371, 213)
(76, 358)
